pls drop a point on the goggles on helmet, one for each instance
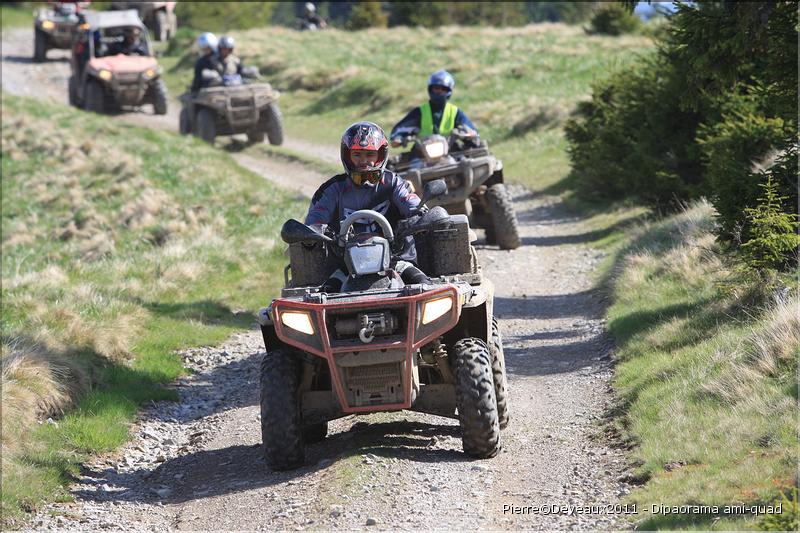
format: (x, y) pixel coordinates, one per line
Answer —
(362, 177)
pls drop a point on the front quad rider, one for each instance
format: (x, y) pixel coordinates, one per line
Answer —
(384, 342)
(366, 184)
(437, 115)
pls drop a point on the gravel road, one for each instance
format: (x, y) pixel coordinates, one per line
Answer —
(196, 464)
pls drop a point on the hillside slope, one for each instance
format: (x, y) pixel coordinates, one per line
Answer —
(518, 85)
(120, 245)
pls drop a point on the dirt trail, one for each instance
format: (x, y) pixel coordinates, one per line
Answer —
(196, 464)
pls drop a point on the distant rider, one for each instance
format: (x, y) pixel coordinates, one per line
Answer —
(366, 184)
(207, 43)
(437, 115)
(311, 19)
(130, 45)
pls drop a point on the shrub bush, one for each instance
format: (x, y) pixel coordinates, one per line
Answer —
(367, 15)
(703, 118)
(736, 150)
(772, 239)
(632, 140)
(223, 16)
(613, 19)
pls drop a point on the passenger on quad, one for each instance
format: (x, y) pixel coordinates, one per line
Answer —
(207, 44)
(311, 19)
(131, 44)
(366, 184)
(437, 115)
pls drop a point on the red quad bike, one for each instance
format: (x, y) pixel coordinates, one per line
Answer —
(381, 345)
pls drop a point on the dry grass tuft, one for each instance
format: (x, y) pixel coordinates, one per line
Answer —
(36, 383)
(766, 353)
(778, 344)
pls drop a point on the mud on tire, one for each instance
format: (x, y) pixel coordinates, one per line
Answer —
(499, 375)
(505, 229)
(475, 398)
(281, 424)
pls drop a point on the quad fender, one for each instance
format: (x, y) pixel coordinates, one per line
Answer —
(264, 319)
(477, 313)
(497, 175)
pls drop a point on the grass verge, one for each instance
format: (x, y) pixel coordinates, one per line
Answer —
(518, 85)
(706, 376)
(120, 245)
(16, 17)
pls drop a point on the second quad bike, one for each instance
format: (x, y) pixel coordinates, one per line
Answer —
(230, 107)
(379, 344)
(158, 16)
(474, 180)
(55, 28)
(102, 81)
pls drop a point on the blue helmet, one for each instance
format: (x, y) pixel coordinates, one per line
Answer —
(441, 78)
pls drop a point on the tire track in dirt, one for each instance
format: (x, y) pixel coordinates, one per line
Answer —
(196, 464)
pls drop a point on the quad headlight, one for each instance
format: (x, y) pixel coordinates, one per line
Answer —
(149, 73)
(436, 308)
(48, 25)
(436, 149)
(105, 75)
(298, 321)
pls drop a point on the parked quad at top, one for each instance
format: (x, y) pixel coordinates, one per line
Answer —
(474, 180)
(55, 27)
(158, 16)
(232, 105)
(103, 81)
(380, 345)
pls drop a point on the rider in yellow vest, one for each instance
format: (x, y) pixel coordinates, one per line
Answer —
(434, 116)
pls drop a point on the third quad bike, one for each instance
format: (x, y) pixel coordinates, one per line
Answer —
(102, 80)
(55, 27)
(158, 16)
(381, 345)
(230, 106)
(474, 179)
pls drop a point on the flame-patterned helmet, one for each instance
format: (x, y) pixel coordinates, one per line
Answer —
(369, 137)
